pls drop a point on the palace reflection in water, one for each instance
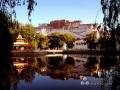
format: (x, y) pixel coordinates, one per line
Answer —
(61, 72)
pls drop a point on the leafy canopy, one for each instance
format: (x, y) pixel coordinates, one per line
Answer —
(8, 6)
(111, 11)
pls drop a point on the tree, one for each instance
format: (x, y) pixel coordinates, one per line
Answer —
(56, 40)
(69, 39)
(42, 41)
(8, 6)
(7, 10)
(111, 11)
(28, 32)
(92, 40)
(6, 40)
(15, 29)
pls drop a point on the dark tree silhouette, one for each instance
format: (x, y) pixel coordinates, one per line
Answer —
(7, 10)
(111, 11)
(6, 41)
(8, 6)
(6, 13)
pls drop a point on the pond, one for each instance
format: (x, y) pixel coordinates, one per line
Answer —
(64, 72)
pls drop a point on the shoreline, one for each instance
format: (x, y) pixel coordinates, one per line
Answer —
(33, 53)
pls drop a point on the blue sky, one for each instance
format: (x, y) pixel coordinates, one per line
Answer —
(48, 10)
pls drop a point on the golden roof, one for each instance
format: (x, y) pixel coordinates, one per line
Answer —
(19, 37)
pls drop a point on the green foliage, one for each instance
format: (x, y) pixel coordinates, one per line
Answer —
(42, 41)
(104, 42)
(56, 34)
(92, 37)
(55, 40)
(34, 43)
(27, 31)
(69, 39)
(92, 40)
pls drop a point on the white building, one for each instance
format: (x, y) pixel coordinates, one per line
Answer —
(79, 31)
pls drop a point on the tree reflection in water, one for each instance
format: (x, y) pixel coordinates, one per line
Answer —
(105, 67)
(27, 74)
(116, 76)
(42, 65)
(60, 69)
(102, 67)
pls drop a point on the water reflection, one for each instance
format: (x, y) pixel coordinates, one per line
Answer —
(72, 68)
(101, 64)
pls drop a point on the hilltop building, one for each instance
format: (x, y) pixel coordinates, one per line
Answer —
(78, 29)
